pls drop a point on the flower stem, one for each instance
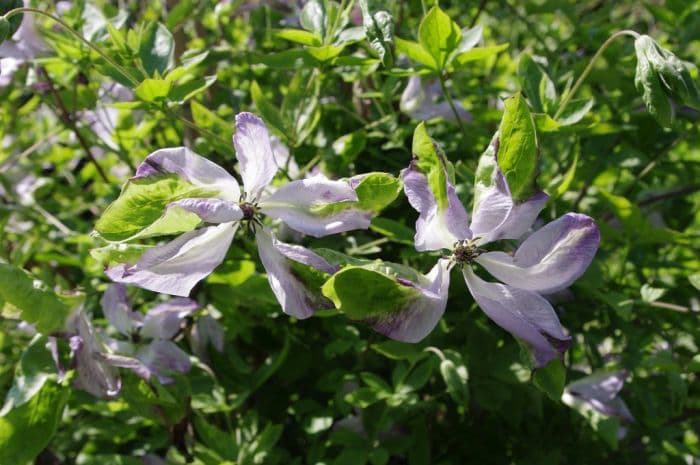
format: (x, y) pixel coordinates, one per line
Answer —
(589, 67)
(448, 97)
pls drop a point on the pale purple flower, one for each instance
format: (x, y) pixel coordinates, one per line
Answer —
(175, 267)
(549, 260)
(161, 356)
(420, 102)
(599, 392)
(24, 46)
(94, 374)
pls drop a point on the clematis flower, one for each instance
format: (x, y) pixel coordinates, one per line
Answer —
(94, 374)
(316, 206)
(599, 392)
(420, 102)
(25, 45)
(161, 356)
(549, 260)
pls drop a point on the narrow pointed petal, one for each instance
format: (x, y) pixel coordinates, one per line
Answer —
(550, 259)
(117, 310)
(174, 268)
(93, 374)
(206, 331)
(165, 320)
(314, 206)
(435, 229)
(196, 169)
(600, 392)
(522, 313)
(130, 363)
(496, 216)
(210, 210)
(419, 318)
(295, 297)
(164, 358)
(254, 154)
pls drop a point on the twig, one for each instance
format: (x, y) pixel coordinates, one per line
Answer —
(482, 4)
(67, 119)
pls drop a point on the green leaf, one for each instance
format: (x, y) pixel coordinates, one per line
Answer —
(377, 190)
(568, 178)
(651, 294)
(518, 151)
(156, 49)
(414, 51)
(206, 118)
(393, 230)
(313, 18)
(153, 90)
(267, 110)
(575, 111)
(142, 202)
(37, 305)
(530, 74)
(431, 162)
(184, 92)
(695, 280)
(551, 379)
(454, 373)
(439, 36)
(363, 293)
(34, 369)
(476, 54)
(379, 30)
(25, 431)
(647, 81)
(325, 53)
(635, 224)
(8, 27)
(298, 36)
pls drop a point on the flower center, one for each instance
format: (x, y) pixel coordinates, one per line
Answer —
(465, 251)
(249, 210)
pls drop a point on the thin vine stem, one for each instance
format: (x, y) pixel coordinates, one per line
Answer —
(589, 67)
(448, 97)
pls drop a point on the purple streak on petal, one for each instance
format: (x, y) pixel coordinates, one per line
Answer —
(550, 259)
(175, 267)
(434, 229)
(300, 205)
(210, 210)
(194, 168)
(164, 320)
(420, 316)
(117, 310)
(93, 374)
(305, 256)
(254, 153)
(496, 216)
(164, 358)
(522, 313)
(600, 391)
(292, 294)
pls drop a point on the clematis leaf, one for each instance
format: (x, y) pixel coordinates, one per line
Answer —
(31, 300)
(414, 51)
(432, 162)
(142, 203)
(313, 17)
(9, 26)
(156, 49)
(439, 36)
(550, 379)
(518, 151)
(25, 431)
(379, 30)
(363, 293)
(647, 82)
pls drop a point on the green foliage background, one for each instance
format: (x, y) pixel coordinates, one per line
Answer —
(329, 390)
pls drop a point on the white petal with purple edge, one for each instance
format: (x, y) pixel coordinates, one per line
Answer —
(496, 216)
(164, 320)
(174, 268)
(522, 313)
(164, 358)
(301, 205)
(117, 310)
(294, 297)
(550, 259)
(254, 154)
(194, 168)
(435, 229)
(420, 317)
(214, 211)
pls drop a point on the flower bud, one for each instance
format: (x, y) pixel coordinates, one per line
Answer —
(648, 83)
